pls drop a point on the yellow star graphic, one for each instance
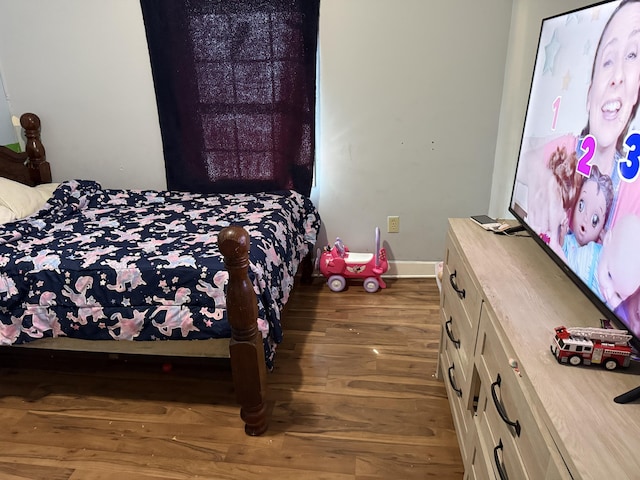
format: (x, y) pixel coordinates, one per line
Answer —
(566, 80)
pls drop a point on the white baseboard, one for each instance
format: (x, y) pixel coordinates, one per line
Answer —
(411, 269)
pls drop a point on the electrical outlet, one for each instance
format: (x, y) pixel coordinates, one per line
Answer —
(393, 224)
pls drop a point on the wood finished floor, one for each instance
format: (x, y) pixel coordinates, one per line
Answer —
(353, 397)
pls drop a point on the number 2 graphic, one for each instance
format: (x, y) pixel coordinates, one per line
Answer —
(588, 146)
(628, 167)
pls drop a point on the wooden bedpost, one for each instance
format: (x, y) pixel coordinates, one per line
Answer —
(246, 349)
(29, 167)
(39, 168)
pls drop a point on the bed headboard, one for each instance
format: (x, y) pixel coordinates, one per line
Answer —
(29, 167)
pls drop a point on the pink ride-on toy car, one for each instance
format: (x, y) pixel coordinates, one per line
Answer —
(338, 264)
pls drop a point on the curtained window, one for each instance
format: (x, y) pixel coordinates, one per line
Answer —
(235, 88)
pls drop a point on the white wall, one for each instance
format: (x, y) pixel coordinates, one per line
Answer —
(410, 96)
(410, 100)
(83, 67)
(7, 132)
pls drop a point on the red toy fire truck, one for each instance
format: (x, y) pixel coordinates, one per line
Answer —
(605, 346)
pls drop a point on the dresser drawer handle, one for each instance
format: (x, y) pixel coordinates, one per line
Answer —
(452, 381)
(447, 328)
(500, 407)
(452, 281)
(496, 459)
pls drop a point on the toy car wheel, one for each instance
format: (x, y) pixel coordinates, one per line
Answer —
(575, 360)
(371, 285)
(610, 364)
(336, 283)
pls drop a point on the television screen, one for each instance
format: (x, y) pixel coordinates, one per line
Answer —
(576, 187)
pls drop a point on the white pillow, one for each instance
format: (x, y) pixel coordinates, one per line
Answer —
(23, 200)
(6, 215)
(46, 190)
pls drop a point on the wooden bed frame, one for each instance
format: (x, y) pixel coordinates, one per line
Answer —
(245, 348)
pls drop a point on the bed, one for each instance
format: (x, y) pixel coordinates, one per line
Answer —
(149, 272)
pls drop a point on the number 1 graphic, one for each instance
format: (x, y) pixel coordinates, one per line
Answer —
(556, 109)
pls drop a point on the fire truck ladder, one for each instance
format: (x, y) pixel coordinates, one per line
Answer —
(608, 335)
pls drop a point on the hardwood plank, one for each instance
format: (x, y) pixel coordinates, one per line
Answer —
(353, 396)
(19, 471)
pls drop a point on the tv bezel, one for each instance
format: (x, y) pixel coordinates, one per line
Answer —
(597, 302)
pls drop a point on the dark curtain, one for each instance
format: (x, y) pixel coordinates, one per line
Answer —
(235, 88)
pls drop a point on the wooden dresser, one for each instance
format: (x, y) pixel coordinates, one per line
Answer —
(518, 413)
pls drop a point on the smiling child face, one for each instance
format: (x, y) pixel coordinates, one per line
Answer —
(616, 77)
(589, 213)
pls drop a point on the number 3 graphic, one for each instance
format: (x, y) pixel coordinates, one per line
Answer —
(629, 167)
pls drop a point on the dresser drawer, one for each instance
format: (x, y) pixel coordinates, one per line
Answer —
(508, 409)
(458, 338)
(458, 283)
(497, 446)
(496, 452)
(460, 400)
(460, 331)
(479, 465)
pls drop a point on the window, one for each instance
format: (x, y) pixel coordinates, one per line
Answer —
(235, 86)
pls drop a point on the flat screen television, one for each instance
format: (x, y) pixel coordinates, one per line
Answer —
(577, 185)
